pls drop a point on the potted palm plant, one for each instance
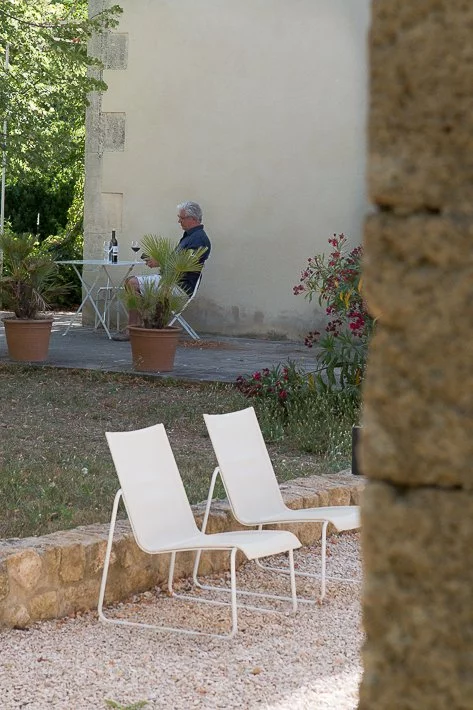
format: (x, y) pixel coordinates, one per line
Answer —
(154, 342)
(27, 286)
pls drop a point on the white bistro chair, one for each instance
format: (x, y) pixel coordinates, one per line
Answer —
(180, 318)
(106, 295)
(252, 488)
(162, 520)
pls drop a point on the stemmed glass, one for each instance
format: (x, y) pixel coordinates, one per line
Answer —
(135, 246)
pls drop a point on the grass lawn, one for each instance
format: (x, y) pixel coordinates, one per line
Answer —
(55, 468)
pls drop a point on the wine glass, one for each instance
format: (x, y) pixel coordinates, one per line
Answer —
(135, 247)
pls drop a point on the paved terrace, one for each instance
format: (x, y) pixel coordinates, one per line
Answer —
(216, 358)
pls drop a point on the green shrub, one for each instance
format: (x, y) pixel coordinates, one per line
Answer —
(51, 200)
(293, 406)
(343, 349)
(280, 384)
(68, 245)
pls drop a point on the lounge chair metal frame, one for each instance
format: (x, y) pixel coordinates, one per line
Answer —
(253, 491)
(162, 522)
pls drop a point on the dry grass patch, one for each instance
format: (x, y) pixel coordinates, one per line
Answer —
(55, 468)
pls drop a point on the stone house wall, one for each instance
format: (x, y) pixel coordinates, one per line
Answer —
(254, 110)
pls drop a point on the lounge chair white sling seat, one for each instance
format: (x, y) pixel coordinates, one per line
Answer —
(252, 488)
(162, 520)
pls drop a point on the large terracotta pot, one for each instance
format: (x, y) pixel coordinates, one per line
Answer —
(153, 350)
(28, 340)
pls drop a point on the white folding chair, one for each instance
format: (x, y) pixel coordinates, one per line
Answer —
(103, 300)
(180, 318)
(162, 521)
(252, 488)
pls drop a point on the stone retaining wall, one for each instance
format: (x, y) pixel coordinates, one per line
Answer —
(59, 574)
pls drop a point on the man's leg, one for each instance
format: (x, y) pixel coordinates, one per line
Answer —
(136, 283)
(133, 315)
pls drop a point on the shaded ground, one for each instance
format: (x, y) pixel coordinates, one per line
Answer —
(215, 359)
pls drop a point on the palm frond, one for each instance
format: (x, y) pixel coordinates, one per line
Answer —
(157, 303)
(29, 283)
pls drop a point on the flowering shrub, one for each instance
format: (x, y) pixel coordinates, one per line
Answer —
(289, 403)
(278, 383)
(337, 281)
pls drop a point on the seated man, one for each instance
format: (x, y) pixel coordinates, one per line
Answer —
(189, 216)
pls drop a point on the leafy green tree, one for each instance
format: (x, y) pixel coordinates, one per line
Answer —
(25, 200)
(43, 97)
(43, 91)
(68, 243)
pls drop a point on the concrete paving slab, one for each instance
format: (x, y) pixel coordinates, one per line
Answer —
(216, 359)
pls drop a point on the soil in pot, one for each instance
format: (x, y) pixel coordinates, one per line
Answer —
(153, 350)
(28, 340)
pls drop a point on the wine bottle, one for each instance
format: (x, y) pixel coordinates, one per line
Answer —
(114, 248)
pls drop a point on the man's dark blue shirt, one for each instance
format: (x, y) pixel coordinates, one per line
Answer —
(193, 239)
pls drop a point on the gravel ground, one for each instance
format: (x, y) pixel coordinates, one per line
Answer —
(276, 661)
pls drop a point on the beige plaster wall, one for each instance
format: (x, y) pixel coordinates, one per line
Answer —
(254, 108)
(417, 523)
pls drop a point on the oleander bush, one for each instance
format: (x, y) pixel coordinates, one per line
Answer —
(342, 350)
(292, 406)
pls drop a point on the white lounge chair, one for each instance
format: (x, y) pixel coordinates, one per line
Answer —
(162, 520)
(252, 488)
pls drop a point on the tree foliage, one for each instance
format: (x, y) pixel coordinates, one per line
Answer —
(43, 92)
(25, 200)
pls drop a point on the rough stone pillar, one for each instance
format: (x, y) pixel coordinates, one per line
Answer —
(417, 447)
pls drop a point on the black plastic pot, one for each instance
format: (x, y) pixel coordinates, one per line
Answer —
(355, 440)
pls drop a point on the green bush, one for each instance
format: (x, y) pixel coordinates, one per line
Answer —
(25, 200)
(68, 245)
(343, 349)
(279, 384)
(293, 406)
(65, 247)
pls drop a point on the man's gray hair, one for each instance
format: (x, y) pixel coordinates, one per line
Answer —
(191, 209)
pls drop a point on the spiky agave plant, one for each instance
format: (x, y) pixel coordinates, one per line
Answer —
(28, 285)
(157, 302)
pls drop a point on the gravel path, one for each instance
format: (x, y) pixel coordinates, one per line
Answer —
(276, 662)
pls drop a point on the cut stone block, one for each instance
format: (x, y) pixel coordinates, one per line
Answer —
(421, 119)
(115, 50)
(418, 615)
(113, 130)
(418, 409)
